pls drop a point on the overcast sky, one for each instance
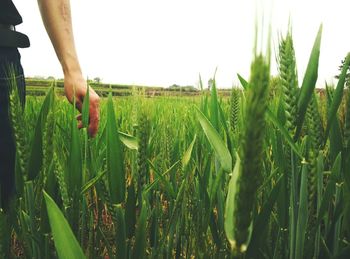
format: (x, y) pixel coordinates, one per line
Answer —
(163, 42)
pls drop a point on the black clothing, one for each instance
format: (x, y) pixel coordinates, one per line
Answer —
(9, 13)
(9, 59)
(10, 62)
(10, 16)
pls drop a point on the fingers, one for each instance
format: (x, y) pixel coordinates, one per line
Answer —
(79, 118)
(94, 106)
(80, 125)
(94, 115)
(79, 105)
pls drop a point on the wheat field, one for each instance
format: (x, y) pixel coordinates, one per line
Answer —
(264, 173)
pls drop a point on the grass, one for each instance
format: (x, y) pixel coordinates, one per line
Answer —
(258, 174)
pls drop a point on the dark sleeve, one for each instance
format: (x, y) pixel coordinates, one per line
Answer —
(8, 13)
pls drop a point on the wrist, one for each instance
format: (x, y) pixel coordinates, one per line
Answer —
(73, 78)
(71, 66)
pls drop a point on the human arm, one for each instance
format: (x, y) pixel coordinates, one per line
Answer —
(56, 15)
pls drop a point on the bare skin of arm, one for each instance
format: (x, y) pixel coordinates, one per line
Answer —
(56, 15)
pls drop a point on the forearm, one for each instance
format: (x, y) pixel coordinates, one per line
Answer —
(57, 19)
(56, 15)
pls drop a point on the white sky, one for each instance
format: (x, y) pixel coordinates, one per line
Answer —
(163, 42)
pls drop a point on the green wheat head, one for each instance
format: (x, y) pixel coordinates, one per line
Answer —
(289, 81)
(18, 122)
(48, 143)
(315, 131)
(251, 152)
(165, 147)
(49, 139)
(315, 125)
(143, 137)
(234, 108)
(59, 173)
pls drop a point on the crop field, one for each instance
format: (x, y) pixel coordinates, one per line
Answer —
(263, 173)
(40, 87)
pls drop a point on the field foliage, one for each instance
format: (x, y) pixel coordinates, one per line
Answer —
(264, 173)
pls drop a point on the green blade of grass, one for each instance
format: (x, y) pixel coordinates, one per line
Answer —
(187, 156)
(92, 182)
(36, 154)
(302, 214)
(130, 210)
(216, 142)
(141, 236)
(160, 177)
(86, 108)
(320, 181)
(200, 82)
(335, 139)
(128, 140)
(309, 83)
(115, 166)
(260, 225)
(73, 175)
(284, 132)
(229, 224)
(244, 82)
(329, 192)
(338, 96)
(120, 232)
(67, 246)
(226, 130)
(214, 111)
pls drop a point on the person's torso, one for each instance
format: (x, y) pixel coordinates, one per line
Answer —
(8, 13)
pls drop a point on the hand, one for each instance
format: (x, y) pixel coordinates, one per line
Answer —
(80, 85)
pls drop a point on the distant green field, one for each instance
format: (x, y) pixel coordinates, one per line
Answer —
(40, 87)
